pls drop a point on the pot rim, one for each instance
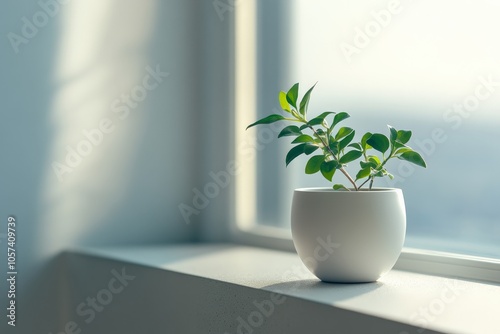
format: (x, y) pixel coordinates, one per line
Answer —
(330, 190)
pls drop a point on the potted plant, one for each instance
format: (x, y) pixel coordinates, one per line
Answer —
(344, 233)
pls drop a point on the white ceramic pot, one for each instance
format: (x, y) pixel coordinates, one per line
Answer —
(348, 236)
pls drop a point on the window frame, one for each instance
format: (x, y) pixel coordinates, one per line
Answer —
(245, 230)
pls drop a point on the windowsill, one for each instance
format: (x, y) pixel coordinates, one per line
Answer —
(407, 299)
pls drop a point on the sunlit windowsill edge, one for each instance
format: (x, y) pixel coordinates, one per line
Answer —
(449, 265)
(411, 259)
(400, 302)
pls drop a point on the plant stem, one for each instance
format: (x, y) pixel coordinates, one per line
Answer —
(331, 152)
(349, 178)
(385, 161)
(371, 177)
(368, 179)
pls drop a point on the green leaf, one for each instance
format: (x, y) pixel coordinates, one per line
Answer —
(310, 148)
(343, 143)
(283, 102)
(379, 142)
(375, 160)
(320, 132)
(292, 95)
(305, 126)
(399, 145)
(303, 139)
(305, 101)
(334, 145)
(350, 156)
(328, 169)
(357, 146)
(394, 133)
(319, 119)
(403, 136)
(344, 131)
(364, 139)
(314, 164)
(339, 187)
(363, 173)
(413, 157)
(368, 164)
(385, 172)
(339, 118)
(267, 120)
(318, 142)
(291, 130)
(403, 150)
(294, 152)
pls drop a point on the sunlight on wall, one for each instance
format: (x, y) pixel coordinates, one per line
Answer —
(102, 60)
(245, 110)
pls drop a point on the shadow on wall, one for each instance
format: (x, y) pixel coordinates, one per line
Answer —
(27, 92)
(97, 101)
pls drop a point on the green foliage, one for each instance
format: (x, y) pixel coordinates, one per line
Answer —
(379, 142)
(336, 150)
(304, 104)
(314, 164)
(413, 157)
(291, 130)
(294, 152)
(303, 139)
(328, 168)
(268, 120)
(340, 187)
(350, 156)
(283, 102)
(292, 95)
(319, 119)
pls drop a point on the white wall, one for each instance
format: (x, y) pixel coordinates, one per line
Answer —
(217, 117)
(63, 81)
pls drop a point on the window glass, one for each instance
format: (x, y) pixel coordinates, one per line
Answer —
(432, 67)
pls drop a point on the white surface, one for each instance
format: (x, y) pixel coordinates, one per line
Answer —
(348, 236)
(449, 305)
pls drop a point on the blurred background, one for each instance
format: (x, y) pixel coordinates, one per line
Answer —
(428, 67)
(114, 111)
